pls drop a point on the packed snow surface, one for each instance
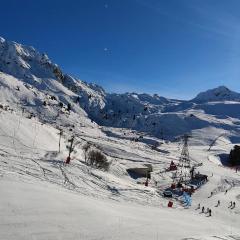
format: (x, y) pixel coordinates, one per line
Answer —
(44, 198)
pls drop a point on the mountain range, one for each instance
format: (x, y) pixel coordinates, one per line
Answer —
(31, 79)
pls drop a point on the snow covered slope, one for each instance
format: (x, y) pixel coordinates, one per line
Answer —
(43, 198)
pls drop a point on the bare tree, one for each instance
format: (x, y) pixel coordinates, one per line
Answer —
(85, 148)
(97, 159)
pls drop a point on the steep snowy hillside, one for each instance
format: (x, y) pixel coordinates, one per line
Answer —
(50, 102)
(36, 70)
(38, 73)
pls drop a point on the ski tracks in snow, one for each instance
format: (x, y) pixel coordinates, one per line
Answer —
(229, 237)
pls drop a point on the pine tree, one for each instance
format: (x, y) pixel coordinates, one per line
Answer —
(234, 156)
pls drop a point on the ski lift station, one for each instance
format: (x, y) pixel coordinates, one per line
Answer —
(184, 181)
(142, 171)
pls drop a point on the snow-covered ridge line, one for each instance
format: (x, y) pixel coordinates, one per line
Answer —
(221, 93)
(152, 114)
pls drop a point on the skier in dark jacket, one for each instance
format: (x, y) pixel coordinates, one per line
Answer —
(68, 160)
(210, 212)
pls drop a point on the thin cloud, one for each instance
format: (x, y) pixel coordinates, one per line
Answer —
(218, 22)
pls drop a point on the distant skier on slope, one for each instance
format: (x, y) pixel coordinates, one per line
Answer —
(146, 183)
(211, 194)
(68, 160)
(210, 212)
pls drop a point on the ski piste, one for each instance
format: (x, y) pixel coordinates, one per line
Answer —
(42, 197)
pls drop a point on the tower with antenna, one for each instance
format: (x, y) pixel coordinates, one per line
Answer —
(183, 173)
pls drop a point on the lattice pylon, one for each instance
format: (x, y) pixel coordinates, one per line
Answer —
(184, 165)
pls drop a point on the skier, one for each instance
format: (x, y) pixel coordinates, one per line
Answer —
(218, 203)
(211, 194)
(203, 209)
(234, 204)
(146, 183)
(210, 212)
(226, 191)
(68, 160)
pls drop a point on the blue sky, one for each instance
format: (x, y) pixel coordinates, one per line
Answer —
(175, 48)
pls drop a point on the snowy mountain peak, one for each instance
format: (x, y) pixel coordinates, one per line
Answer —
(24, 62)
(35, 68)
(2, 40)
(220, 93)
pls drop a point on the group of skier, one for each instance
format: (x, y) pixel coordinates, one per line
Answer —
(232, 205)
(209, 211)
